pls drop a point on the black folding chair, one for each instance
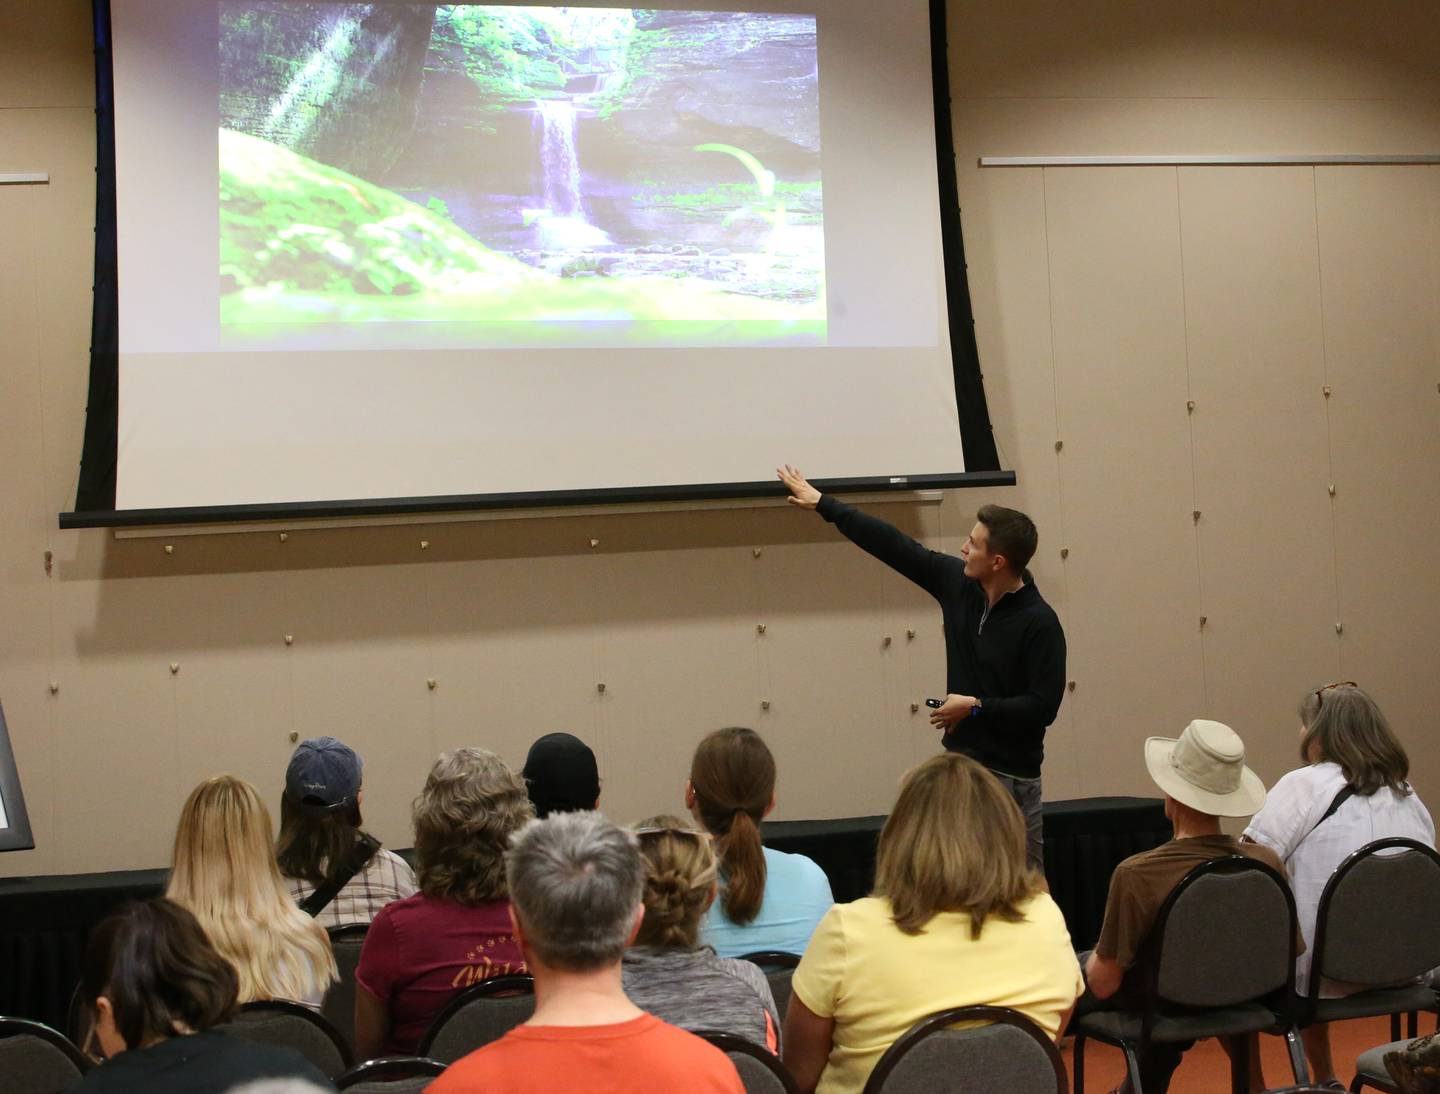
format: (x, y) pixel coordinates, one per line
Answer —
(290, 1025)
(482, 1013)
(339, 1005)
(761, 1071)
(779, 969)
(1375, 926)
(1010, 1054)
(35, 1059)
(1222, 948)
(390, 1075)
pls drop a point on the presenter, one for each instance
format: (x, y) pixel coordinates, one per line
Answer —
(1004, 647)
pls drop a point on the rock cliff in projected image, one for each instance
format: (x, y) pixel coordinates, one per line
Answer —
(520, 175)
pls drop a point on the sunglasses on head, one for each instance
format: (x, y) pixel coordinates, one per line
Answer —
(671, 832)
(1319, 692)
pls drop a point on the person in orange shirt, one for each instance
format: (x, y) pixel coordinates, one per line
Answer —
(575, 898)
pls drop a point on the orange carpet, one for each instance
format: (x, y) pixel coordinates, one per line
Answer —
(1206, 1068)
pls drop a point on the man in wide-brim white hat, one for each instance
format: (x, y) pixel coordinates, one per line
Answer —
(1204, 778)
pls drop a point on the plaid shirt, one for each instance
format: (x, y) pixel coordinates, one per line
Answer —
(386, 877)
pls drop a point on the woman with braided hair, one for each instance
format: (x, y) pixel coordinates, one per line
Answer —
(769, 900)
(667, 971)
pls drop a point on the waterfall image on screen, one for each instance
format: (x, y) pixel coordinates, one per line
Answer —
(518, 175)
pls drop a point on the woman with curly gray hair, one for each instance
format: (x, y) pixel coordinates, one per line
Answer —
(456, 930)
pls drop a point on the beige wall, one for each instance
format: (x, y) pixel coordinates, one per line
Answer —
(1105, 299)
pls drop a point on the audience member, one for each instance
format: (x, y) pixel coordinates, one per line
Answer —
(456, 930)
(156, 988)
(1204, 777)
(337, 872)
(957, 918)
(225, 874)
(561, 775)
(1351, 792)
(769, 900)
(575, 888)
(667, 972)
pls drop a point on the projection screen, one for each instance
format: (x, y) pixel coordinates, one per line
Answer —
(421, 251)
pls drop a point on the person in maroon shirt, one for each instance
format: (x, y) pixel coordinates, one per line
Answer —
(456, 930)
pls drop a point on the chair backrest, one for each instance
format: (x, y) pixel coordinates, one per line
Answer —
(1376, 920)
(35, 1059)
(1225, 935)
(779, 969)
(290, 1025)
(482, 1013)
(761, 1071)
(390, 1075)
(339, 1005)
(1009, 1055)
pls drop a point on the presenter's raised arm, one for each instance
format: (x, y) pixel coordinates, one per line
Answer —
(801, 492)
(928, 569)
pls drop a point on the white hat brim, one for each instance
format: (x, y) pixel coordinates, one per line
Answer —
(1245, 800)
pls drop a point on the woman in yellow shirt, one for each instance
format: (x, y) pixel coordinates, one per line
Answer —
(957, 918)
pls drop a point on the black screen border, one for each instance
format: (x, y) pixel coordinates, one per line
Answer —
(95, 493)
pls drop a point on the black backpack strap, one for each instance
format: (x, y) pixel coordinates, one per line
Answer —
(1345, 793)
(317, 901)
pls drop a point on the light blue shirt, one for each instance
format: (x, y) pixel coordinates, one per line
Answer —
(797, 895)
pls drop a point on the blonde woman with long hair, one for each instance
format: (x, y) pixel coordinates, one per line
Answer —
(957, 918)
(225, 874)
(667, 971)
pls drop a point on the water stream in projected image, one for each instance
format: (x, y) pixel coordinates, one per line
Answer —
(559, 164)
(523, 188)
(563, 224)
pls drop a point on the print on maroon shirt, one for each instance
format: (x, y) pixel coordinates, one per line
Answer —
(420, 951)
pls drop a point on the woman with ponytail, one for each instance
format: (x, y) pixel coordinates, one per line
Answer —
(666, 971)
(769, 900)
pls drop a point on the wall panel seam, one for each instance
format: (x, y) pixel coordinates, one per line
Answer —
(427, 581)
(1054, 370)
(1190, 432)
(1329, 425)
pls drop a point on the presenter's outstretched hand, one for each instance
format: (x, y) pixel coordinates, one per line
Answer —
(801, 492)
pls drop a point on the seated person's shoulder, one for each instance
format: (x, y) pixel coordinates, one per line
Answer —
(1142, 861)
(651, 1053)
(1041, 908)
(701, 1065)
(1261, 853)
(795, 869)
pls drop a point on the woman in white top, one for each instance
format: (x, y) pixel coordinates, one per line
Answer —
(1344, 741)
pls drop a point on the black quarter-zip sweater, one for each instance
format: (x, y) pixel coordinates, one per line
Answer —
(1011, 657)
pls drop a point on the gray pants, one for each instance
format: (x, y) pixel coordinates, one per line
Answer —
(1026, 793)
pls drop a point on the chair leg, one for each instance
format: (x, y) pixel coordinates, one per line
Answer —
(1412, 1024)
(1077, 1054)
(1132, 1066)
(1298, 1064)
(1394, 1027)
(1240, 1064)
